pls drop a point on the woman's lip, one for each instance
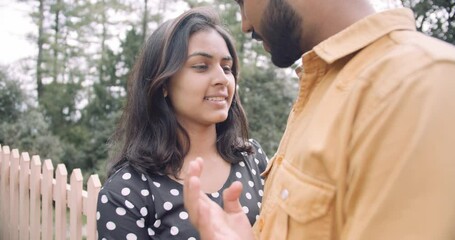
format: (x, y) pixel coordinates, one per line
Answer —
(215, 98)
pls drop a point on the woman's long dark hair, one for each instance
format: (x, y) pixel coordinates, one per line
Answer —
(148, 133)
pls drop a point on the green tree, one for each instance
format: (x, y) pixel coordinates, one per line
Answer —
(434, 17)
(129, 50)
(267, 99)
(23, 126)
(40, 43)
(11, 97)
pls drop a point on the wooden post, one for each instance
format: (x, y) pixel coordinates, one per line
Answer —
(46, 191)
(93, 188)
(76, 205)
(24, 197)
(5, 192)
(14, 196)
(60, 198)
(35, 198)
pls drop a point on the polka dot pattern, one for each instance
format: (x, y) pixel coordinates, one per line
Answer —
(126, 176)
(174, 230)
(183, 215)
(167, 206)
(133, 205)
(120, 211)
(131, 236)
(251, 183)
(144, 211)
(126, 191)
(175, 192)
(140, 223)
(145, 192)
(110, 225)
(128, 204)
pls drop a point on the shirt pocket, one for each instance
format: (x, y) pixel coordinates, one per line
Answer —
(301, 206)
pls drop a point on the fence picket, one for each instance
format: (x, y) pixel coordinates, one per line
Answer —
(76, 205)
(60, 198)
(46, 191)
(5, 191)
(24, 196)
(93, 188)
(35, 200)
(34, 203)
(14, 195)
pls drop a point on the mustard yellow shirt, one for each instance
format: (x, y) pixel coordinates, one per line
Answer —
(369, 148)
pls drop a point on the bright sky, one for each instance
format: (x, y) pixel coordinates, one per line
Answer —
(15, 24)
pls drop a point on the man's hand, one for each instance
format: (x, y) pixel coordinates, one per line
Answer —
(213, 222)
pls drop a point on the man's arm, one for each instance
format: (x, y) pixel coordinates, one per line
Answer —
(401, 182)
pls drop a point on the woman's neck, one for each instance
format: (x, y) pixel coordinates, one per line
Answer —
(202, 142)
(216, 169)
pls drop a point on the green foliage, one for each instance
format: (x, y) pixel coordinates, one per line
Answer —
(130, 48)
(24, 126)
(11, 98)
(30, 133)
(59, 103)
(434, 17)
(267, 99)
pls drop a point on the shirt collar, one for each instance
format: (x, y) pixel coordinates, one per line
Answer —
(363, 33)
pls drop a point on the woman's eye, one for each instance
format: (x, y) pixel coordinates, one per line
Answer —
(200, 67)
(227, 69)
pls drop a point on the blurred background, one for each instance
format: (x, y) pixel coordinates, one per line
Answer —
(64, 66)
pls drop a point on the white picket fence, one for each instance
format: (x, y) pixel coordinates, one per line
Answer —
(34, 203)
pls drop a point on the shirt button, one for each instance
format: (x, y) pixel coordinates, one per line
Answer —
(284, 194)
(279, 160)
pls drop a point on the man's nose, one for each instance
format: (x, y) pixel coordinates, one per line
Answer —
(246, 25)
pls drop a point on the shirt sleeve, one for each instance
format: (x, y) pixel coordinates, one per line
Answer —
(122, 210)
(402, 165)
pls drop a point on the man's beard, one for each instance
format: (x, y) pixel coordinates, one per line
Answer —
(281, 29)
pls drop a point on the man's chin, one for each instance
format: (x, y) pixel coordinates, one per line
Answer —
(282, 62)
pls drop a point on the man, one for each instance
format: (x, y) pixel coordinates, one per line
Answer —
(369, 148)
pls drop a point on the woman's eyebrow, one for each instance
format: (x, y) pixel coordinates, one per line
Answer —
(203, 54)
(207, 55)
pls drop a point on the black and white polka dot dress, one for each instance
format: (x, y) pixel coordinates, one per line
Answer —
(132, 205)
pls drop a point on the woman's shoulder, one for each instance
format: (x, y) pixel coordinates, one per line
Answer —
(125, 177)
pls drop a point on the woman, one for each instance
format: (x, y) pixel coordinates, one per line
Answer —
(182, 104)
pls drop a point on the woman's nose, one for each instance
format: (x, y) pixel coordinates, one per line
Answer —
(221, 77)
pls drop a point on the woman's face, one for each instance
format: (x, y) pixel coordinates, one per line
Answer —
(201, 92)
